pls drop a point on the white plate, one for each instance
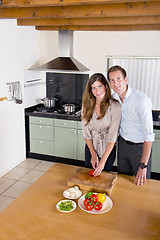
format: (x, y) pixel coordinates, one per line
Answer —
(107, 205)
(64, 194)
(73, 203)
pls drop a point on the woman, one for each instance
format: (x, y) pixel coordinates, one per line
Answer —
(100, 122)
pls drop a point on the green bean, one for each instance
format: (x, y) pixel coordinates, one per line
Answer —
(66, 205)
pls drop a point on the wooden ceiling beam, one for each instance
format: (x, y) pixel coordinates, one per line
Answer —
(104, 10)
(101, 28)
(36, 3)
(90, 21)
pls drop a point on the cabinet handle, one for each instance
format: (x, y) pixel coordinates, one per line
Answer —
(64, 124)
(40, 126)
(73, 130)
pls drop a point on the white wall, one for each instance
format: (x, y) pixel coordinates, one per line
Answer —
(91, 48)
(48, 46)
(19, 51)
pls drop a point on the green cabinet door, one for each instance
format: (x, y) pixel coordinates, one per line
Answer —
(115, 162)
(65, 123)
(41, 135)
(41, 147)
(81, 146)
(41, 132)
(156, 152)
(66, 142)
(41, 121)
(156, 156)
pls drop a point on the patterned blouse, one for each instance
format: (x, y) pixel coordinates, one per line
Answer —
(104, 130)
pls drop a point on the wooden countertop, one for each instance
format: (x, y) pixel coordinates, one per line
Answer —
(33, 215)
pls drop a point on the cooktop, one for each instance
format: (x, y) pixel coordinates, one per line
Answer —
(58, 110)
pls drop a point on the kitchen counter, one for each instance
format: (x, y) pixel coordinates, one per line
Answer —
(156, 124)
(31, 112)
(33, 215)
(156, 119)
(54, 115)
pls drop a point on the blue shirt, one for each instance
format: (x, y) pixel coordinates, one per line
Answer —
(136, 122)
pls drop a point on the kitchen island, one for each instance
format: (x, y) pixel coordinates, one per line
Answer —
(33, 215)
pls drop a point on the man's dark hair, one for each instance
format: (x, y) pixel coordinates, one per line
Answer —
(117, 68)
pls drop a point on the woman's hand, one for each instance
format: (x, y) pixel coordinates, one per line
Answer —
(94, 161)
(99, 168)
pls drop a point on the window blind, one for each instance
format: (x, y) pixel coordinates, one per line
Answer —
(143, 74)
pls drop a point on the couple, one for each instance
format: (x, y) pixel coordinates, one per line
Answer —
(128, 112)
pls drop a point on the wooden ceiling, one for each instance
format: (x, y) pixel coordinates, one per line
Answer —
(84, 15)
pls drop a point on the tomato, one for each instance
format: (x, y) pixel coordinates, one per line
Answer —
(86, 201)
(98, 206)
(89, 206)
(91, 172)
(101, 197)
(94, 198)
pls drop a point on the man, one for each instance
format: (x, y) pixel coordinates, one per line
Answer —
(136, 127)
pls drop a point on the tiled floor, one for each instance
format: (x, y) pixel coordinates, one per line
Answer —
(20, 178)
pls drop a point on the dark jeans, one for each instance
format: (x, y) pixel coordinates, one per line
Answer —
(109, 163)
(129, 157)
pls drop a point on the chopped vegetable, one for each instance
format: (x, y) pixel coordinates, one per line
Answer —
(66, 205)
(88, 195)
(91, 172)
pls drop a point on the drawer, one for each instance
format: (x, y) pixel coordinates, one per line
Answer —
(41, 121)
(41, 147)
(79, 125)
(65, 123)
(157, 134)
(41, 132)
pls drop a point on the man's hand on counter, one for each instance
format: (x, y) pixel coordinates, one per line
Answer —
(141, 176)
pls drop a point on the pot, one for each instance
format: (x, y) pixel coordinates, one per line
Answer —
(69, 108)
(49, 102)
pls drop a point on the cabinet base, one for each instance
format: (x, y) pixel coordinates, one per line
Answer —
(56, 159)
(155, 175)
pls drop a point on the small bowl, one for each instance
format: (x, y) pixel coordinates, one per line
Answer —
(68, 197)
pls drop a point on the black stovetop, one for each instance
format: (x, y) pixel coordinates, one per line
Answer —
(57, 110)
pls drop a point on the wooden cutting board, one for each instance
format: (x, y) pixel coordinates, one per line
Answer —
(102, 183)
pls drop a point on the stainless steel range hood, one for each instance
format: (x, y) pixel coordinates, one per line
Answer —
(65, 61)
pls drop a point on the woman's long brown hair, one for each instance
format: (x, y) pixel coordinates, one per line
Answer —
(89, 100)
